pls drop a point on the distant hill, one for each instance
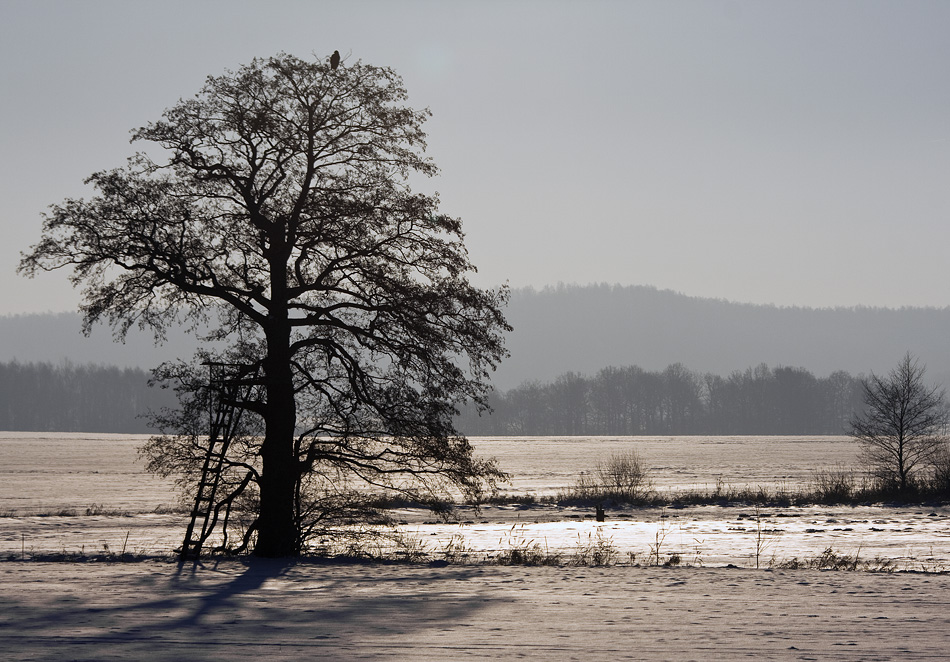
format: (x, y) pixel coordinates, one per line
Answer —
(54, 337)
(586, 328)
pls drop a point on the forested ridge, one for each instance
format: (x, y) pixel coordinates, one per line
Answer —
(581, 329)
(63, 397)
(674, 401)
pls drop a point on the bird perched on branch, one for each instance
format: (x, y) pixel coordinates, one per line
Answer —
(335, 60)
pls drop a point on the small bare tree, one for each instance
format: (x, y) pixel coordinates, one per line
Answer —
(904, 425)
(625, 476)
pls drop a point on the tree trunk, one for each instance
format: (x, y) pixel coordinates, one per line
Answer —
(277, 534)
(902, 466)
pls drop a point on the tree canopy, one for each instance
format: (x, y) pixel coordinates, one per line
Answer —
(275, 204)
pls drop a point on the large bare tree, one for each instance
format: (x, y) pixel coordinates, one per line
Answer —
(903, 425)
(275, 204)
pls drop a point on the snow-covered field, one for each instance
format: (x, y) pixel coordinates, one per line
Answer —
(42, 476)
(261, 610)
(48, 471)
(252, 609)
(541, 465)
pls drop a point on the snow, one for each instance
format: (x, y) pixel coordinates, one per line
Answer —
(97, 478)
(249, 610)
(720, 607)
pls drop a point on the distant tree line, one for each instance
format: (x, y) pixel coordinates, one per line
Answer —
(46, 397)
(675, 401)
(65, 397)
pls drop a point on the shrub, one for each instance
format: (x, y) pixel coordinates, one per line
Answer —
(622, 478)
(835, 485)
(626, 476)
(940, 466)
(597, 550)
(527, 553)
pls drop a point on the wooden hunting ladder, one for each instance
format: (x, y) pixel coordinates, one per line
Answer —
(228, 386)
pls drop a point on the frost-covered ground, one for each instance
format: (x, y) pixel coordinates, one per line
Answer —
(54, 473)
(253, 609)
(47, 471)
(911, 538)
(256, 610)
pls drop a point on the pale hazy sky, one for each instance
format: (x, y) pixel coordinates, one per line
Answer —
(795, 153)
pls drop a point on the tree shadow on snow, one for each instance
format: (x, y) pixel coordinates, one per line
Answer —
(217, 610)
